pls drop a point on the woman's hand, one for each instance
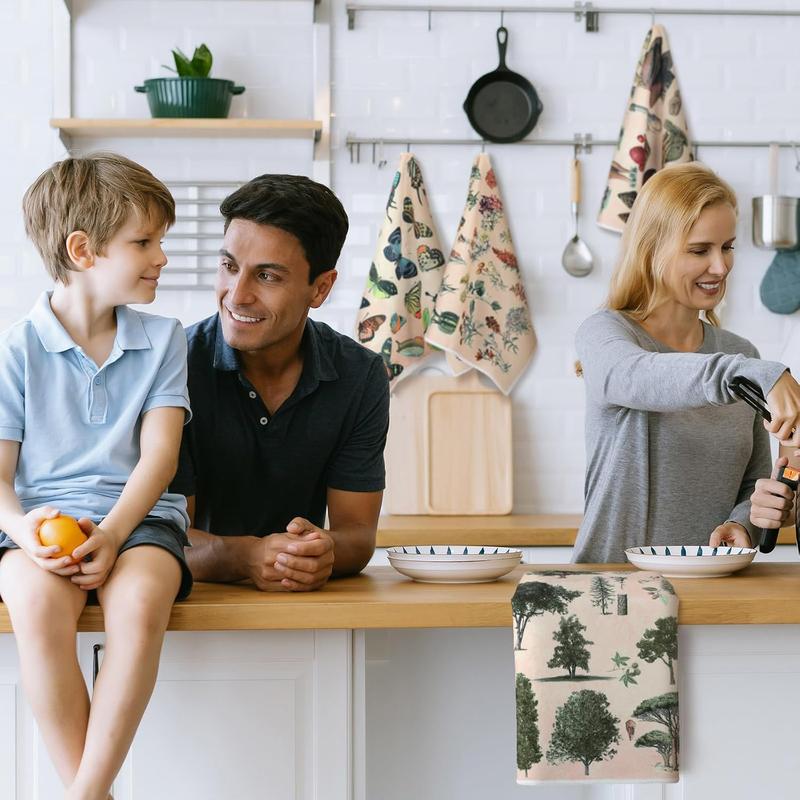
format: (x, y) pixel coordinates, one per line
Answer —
(730, 534)
(784, 406)
(772, 501)
(103, 547)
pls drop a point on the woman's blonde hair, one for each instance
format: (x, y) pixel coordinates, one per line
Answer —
(663, 213)
(97, 194)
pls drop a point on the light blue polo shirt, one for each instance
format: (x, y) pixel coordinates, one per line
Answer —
(79, 425)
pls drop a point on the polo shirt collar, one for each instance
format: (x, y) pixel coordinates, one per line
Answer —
(131, 334)
(318, 364)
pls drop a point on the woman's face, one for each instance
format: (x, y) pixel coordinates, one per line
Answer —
(696, 276)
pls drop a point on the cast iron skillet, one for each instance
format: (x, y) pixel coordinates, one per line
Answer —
(502, 106)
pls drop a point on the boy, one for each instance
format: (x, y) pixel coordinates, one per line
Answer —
(92, 405)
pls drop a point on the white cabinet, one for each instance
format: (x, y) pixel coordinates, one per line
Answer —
(257, 714)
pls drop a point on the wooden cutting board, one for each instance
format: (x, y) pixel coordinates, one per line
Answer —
(449, 449)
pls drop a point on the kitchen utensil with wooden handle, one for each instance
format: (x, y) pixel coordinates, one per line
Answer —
(577, 258)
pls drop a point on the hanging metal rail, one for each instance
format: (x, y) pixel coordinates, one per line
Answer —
(582, 142)
(581, 11)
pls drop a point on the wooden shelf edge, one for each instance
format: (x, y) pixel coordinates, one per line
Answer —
(162, 126)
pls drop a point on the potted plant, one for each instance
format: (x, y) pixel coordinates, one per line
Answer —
(192, 93)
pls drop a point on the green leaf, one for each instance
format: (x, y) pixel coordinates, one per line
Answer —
(201, 61)
(198, 67)
(182, 64)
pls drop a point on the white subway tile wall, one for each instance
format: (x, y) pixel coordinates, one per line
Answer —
(392, 77)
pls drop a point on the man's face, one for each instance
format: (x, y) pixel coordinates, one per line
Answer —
(263, 293)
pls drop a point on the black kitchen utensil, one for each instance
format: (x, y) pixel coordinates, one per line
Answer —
(502, 106)
(751, 394)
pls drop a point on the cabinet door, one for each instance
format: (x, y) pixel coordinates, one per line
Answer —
(258, 714)
(10, 697)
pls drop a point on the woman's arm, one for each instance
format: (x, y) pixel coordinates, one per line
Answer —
(618, 372)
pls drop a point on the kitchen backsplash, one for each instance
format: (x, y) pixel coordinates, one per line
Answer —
(392, 77)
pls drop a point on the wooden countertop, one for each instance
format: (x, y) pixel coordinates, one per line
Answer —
(381, 598)
(511, 530)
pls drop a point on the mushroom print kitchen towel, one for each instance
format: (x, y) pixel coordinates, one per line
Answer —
(654, 131)
(481, 315)
(596, 657)
(404, 276)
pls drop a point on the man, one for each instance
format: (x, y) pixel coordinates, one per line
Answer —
(289, 416)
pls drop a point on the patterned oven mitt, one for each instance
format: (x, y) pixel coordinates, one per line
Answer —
(780, 286)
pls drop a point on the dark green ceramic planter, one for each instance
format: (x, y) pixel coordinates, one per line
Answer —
(189, 97)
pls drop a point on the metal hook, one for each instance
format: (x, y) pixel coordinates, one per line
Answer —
(381, 160)
(502, 18)
(408, 147)
(652, 17)
(483, 145)
(796, 157)
(429, 20)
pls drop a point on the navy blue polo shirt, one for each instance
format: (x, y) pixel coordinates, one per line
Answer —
(250, 473)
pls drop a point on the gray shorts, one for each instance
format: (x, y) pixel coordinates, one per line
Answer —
(154, 531)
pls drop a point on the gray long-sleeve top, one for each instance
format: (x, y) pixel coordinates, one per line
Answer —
(671, 453)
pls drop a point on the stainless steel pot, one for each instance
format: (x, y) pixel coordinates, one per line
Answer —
(775, 222)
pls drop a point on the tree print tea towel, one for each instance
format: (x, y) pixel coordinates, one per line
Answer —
(596, 657)
(654, 131)
(404, 276)
(481, 313)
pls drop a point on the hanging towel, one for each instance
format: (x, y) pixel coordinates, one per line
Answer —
(596, 677)
(404, 276)
(481, 313)
(653, 134)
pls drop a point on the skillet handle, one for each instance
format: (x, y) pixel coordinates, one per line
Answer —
(502, 45)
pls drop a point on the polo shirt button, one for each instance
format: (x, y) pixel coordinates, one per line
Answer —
(252, 395)
(97, 381)
(263, 420)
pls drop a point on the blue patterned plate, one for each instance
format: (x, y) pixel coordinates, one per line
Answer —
(690, 561)
(453, 563)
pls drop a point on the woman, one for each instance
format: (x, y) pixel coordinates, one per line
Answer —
(672, 457)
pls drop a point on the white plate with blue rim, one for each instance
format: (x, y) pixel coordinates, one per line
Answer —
(691, 561)
(453, 563)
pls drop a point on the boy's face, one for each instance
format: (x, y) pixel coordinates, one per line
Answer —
(131, 264)
(263, 293)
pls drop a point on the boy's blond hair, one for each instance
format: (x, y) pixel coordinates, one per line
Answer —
(97, 194)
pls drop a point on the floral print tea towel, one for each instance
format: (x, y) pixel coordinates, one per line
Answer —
(654, 131)
(596, 657)
(404, 276)
(481, 313)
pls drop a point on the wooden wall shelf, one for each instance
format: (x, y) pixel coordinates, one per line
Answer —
(73, 127)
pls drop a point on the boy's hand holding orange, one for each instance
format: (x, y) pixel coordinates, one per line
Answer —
(104, 547)
(51, 558)
(62, 531)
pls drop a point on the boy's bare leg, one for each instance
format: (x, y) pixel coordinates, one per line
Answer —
(44, 610)
(137, 599)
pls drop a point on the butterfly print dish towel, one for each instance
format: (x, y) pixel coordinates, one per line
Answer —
(481, 316)
(654, 131)
(404, 276)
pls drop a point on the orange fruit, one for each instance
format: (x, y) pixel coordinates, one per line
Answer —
(63, 531)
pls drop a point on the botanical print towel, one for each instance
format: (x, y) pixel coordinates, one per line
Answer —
(404, 276)
(481, 313)
(654, 131)
(596, 677)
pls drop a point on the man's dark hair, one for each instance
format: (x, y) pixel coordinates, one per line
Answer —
(308, 210)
